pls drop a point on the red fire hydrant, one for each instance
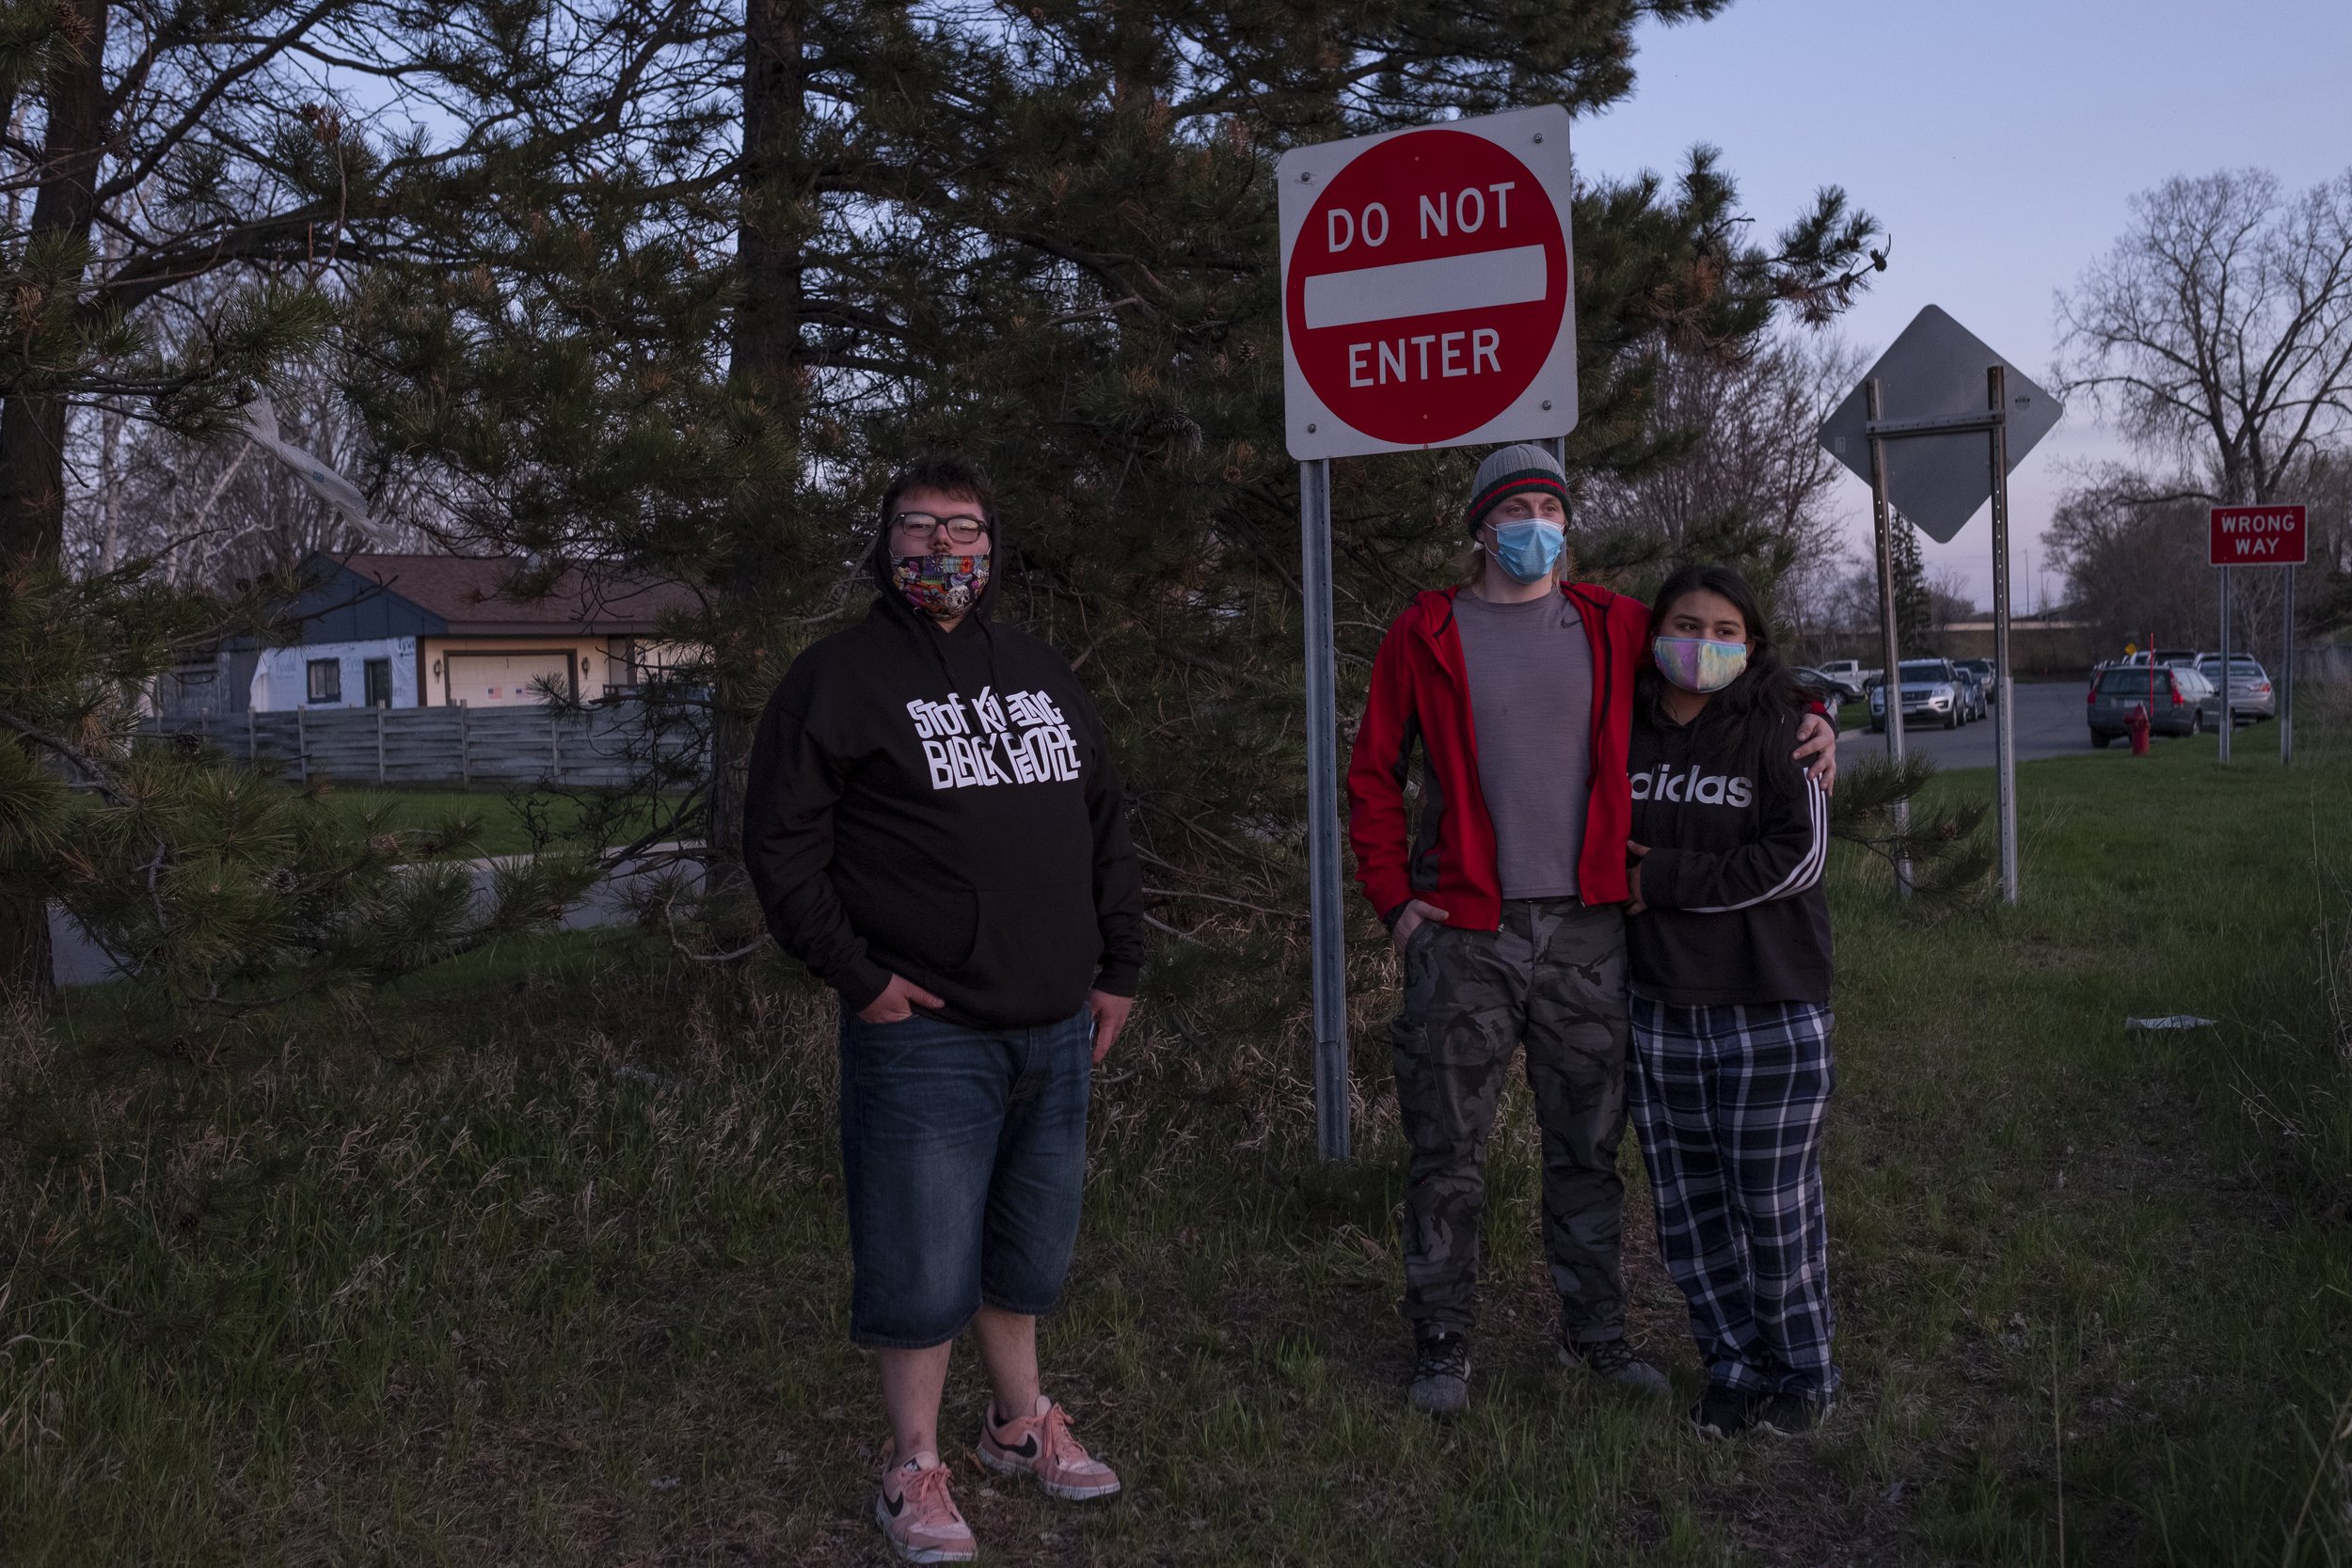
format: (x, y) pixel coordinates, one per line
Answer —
(2136, 725)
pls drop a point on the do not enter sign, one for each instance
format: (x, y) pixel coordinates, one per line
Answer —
(1427, 286)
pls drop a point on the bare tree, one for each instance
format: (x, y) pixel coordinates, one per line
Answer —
(2218, 331)
(215, 511)
(1753, 486)
(190, 193)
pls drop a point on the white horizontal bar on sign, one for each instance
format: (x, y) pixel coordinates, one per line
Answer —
(1476, 281)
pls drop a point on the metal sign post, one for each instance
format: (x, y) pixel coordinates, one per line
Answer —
(2273, 534)
(2229, 725)
(1327, 913)
(1994, 422)
(2286, 680)
(1890, 656)
(1945, 389)
(1429, 300)
(2004, 728)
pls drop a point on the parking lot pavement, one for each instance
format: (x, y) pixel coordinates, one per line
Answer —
(2050, 724)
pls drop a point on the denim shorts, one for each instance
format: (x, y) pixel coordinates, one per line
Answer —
(964, 1155)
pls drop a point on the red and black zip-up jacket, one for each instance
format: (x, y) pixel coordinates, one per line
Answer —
(1421, 694)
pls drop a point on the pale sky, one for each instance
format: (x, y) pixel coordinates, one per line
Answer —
(1998, 141)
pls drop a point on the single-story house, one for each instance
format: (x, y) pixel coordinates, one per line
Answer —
(384, 630)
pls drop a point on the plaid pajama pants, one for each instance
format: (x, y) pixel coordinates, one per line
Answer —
(1728, 1103)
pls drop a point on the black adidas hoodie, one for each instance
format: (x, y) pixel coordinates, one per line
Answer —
(1737, 836)
(942, 806)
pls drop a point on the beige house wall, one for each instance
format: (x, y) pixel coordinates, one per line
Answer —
(597, 662)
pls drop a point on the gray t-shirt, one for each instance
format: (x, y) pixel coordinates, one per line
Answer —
(1531, 693)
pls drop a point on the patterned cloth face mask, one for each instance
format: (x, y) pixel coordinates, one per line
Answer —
(1698, 663)
(941, 585)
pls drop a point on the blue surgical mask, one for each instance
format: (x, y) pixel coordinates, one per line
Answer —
(1530, 549)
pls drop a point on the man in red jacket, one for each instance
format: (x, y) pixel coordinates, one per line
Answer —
(1504, 907)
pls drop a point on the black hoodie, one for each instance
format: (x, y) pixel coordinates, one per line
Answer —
(1737, 836)
(942, 806)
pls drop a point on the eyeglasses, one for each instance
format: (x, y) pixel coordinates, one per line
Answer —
(963, 528)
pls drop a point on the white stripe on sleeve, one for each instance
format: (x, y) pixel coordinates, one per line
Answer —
(1807, 870)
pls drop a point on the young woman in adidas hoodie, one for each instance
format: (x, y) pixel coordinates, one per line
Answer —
(1729, 949)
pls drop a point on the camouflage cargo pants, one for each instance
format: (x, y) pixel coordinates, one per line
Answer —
(1551, 980)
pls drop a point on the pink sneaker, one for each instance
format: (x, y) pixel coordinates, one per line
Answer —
(919, 1518)
(1039, 1445)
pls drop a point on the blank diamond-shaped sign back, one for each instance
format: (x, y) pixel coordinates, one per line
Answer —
(1935, 370)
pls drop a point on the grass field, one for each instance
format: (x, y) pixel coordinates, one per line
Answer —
(538, 1258)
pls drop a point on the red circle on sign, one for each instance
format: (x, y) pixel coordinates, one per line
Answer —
(1426, 287)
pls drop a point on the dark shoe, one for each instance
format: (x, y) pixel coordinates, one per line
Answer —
(1612, 1362)
(1442, 1368)
(1724, 1412)
(1795, 1415)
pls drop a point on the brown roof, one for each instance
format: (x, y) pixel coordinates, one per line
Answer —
(477, 596)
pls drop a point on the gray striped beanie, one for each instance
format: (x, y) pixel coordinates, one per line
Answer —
(1509, 470)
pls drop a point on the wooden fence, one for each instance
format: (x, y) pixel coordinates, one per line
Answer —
(604, 747)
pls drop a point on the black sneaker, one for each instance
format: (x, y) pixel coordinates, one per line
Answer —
(1442, 1369)
(1612, 1362)
(1795, 1415)
(1724, 1412)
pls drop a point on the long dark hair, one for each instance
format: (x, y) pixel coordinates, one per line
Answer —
(1764, 694)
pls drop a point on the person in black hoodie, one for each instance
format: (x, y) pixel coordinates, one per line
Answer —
(1729, 961)
(932, 825)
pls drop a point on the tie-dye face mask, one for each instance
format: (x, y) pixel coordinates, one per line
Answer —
(1698, 664)
(941, 585)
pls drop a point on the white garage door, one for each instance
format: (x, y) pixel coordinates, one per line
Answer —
(506, 680)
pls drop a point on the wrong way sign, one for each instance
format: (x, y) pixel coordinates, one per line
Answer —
(2259, 536)
(1427, 286)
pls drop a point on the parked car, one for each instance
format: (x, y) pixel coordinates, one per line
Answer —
(1850, 670)
(2250, 696)
(1979, 704)
(2163, 657)
(2121, 688)
(1982, 669)
(2202, 691)
(1931, 691)
(1832, 687)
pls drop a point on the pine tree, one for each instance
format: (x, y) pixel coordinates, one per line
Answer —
(1913, 610)
(221, 885)
(188, 205)
(1046, 238)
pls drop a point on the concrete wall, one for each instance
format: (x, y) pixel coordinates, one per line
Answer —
(2035, 647)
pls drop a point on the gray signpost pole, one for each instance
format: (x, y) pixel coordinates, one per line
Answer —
(1932, 372)
(1326, 912)
(1890, 672)
(2286, 678)
(2004, 731)
(2229, 723)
